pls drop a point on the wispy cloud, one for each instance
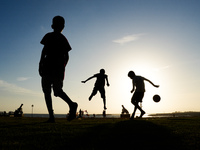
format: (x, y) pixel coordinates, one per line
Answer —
(128, 38)
(22, 78)
(162, 68)
(179, 64)
(12, 88)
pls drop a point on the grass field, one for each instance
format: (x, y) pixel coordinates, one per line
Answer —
(150, 133)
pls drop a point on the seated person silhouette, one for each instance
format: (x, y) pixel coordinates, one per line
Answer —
(124, 110)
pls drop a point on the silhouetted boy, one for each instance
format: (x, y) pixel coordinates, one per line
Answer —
(138, 82)
(53, 60)
(99, 85)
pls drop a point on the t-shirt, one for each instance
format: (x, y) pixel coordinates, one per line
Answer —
(56, 48)
(138, 82)
(100, 82)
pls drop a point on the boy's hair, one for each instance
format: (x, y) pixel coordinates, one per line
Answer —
(58, 22)
(102, 71)
(131, 74)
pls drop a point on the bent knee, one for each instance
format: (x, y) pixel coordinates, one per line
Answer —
(58, 93)
(134, 103)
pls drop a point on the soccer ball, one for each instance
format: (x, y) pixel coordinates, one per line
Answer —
(156, 98)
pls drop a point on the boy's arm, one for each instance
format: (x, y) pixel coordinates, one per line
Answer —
(107, 81)
(133, 86)
(151, 82)
(41, 60)
(66, 58)
(43, 55)
(88, 79)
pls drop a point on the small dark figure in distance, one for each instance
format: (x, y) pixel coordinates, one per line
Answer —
(124, 110)
(18, 112)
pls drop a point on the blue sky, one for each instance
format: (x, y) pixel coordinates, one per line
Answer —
(159, 40)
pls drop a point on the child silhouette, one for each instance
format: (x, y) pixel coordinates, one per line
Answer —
(52, 64)
(138, 82)
(99, 85)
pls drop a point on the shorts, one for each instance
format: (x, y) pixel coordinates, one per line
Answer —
(101, 91)
(55, 83)
(137, 97)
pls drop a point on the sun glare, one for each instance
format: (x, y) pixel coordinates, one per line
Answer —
(121, 85)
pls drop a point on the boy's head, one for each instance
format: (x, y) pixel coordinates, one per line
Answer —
(102, 71)
(131, 74)
(58, 23)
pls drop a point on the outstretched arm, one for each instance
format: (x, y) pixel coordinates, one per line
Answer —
(151, 82)
(107, 81)
(88, 79)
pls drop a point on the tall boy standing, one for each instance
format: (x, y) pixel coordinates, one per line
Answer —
(52, 64)
(138, 82)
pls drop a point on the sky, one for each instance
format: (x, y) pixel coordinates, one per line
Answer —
(158, 40)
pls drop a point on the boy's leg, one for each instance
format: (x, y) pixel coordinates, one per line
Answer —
(73, 106)
(46, 86)
(57, 87)
(103, 96)
(135, 108)
(64, 96)
(133, 101)
(94, 92)
(48, 100)
(137, 97)
(140, 97)
(141, 110)
(104, 103)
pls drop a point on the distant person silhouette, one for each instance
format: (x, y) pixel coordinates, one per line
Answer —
(124, 110)
(138, 83)
(99, 85)
(52, 64)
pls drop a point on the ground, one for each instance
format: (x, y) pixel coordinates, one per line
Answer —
(149, 133)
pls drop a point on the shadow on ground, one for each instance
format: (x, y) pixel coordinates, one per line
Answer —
(136, 134)
(86, 134)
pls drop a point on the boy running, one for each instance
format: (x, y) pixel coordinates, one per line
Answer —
(138, 83)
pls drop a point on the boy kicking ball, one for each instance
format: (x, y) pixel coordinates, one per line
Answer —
(138, 83)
